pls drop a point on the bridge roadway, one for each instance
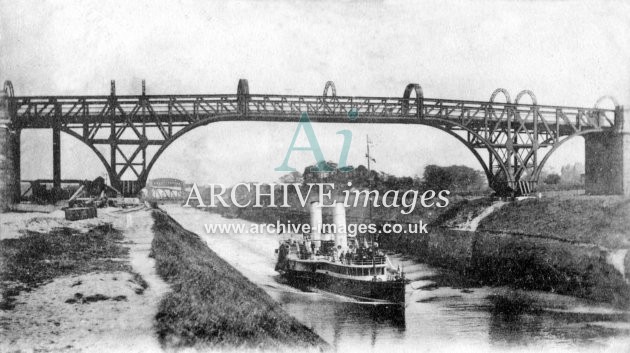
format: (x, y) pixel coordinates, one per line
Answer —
(511, 140)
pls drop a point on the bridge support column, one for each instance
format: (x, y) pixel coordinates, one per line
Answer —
(607, 164)
(9, 157)
(56, 158)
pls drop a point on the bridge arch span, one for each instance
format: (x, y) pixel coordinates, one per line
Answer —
(510, 132)
(182, 132)
(484, 165)
(98, 153)
(446, 126)
(554, 148)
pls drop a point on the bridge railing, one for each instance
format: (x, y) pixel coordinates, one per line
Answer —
(459, 110)
(334, 106)
(40, 111)
(119, 108)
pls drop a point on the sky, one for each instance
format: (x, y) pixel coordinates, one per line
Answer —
(566, 52)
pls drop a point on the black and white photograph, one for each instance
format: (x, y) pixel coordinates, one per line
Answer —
(188, 176)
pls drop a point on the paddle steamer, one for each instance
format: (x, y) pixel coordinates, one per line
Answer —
(340, 263)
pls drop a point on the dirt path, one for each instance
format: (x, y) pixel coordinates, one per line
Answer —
(94, 312)
(136, 332)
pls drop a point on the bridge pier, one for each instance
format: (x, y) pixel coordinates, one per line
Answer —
(56, 149)
(607, 163)
(9, 157)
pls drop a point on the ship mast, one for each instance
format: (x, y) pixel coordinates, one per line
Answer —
(369, 163)
(369, 160)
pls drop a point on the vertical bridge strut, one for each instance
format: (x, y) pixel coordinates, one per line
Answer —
(511, 140)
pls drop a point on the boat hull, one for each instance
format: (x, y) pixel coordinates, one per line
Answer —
(375, 291)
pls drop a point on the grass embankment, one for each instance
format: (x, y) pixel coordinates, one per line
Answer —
(561, 245)
(37, 258)
(211, 303)
(599, 220)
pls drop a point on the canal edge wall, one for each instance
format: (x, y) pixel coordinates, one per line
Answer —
(522, 261)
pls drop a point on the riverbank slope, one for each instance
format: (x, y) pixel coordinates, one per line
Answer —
(576, 245)
(212, 305)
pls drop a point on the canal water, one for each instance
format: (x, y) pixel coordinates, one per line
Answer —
(440, 316)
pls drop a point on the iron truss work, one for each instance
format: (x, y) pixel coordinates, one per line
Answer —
(512, 140)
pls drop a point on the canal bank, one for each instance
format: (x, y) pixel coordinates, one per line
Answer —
(573, 246)
(212, 305)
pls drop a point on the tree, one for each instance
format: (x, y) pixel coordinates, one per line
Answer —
(453, 178)
(293, 177)
(436, 177)
(552, 179)
(312, 175)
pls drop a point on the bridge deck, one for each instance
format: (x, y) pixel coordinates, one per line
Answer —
(181, 110)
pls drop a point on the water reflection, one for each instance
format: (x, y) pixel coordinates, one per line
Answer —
(338, 319)
(510, 328)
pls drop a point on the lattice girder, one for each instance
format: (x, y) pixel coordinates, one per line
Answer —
(511, 140)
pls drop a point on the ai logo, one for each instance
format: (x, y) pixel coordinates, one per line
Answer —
(321, 165)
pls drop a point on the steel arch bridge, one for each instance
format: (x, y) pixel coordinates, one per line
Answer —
(511, 140)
